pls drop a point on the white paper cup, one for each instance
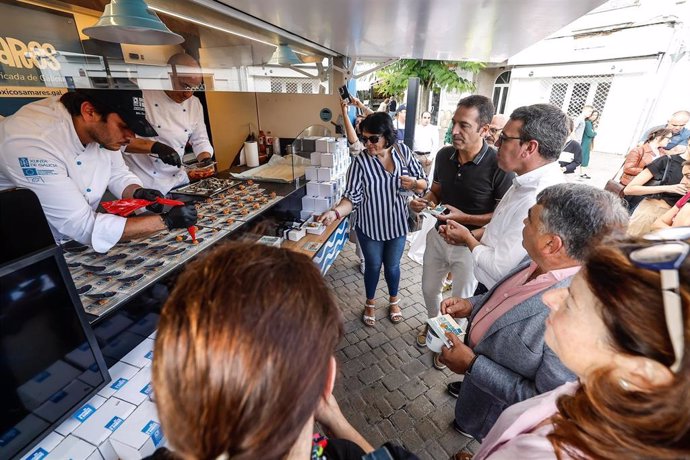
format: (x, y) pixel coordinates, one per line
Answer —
(433, 341)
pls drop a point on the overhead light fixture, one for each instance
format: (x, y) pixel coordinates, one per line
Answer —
(132, 22)
(283, 55)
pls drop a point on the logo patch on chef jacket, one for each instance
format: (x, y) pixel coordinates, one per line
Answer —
(34, 168)
(138, 105)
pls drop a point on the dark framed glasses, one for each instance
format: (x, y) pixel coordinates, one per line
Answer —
(502, 137)
(372, 139)
(666, 257)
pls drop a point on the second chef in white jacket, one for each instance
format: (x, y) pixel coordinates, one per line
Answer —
(178, 118)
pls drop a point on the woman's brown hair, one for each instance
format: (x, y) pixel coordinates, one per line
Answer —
(603, 420)
(661, 132)
(242, 352)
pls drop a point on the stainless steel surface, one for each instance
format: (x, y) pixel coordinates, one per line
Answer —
(487, 30)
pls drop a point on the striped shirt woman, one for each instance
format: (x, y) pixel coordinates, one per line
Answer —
(379, 183)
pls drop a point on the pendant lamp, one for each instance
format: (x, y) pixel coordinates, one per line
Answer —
(283, 55)
(132, 22)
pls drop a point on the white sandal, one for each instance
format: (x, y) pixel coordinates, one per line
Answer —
(395, 316)
(369, 320)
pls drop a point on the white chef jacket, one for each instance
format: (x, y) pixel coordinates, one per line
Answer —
(501, 245)
(426, 139)
(40, 150)
(176, 124)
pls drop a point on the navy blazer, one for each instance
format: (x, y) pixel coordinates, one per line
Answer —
(513, 362)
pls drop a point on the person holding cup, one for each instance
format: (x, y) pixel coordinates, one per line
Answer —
(378, 183)
(504, 358)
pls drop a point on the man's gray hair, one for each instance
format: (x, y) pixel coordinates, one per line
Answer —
(546, 124)
(581, 215)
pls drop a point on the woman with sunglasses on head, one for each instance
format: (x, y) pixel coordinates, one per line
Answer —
(624, 332)
(378, 184)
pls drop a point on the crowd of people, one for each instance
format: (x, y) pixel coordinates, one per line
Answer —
(576, 341)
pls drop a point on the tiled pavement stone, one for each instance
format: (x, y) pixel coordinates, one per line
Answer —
(386, 386)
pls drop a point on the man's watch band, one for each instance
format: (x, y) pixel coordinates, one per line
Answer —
(469, 368)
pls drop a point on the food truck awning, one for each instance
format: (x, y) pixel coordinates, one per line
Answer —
(481, 30)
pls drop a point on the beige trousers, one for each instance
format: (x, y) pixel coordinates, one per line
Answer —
(644, 216)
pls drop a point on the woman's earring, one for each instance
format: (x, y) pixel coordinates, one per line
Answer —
(625, 385)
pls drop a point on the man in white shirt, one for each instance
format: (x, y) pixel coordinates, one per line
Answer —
(529, 146)
(66, 150)
(178, 117)
(425, 142)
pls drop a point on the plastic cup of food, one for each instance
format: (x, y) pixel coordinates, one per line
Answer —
(195, 172)
(433, 341)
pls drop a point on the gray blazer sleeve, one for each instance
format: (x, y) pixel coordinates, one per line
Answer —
(510, 387)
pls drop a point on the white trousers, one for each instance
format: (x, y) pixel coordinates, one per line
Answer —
(439, 259)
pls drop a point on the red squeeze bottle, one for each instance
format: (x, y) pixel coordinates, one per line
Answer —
(192, 232)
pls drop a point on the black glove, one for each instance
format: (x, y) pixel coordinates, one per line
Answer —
(166, 154)
(149, 194)
(204, 163)
(180, 217)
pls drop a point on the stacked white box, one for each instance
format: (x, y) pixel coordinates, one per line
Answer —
(326, 176)
(75, 449)
(104, 422)
(140, 435)
(120, 374)
(138, 389)
(46, 445)
(142, 355)
(80, 415)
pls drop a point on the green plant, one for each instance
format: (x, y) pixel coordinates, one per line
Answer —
(433, 76)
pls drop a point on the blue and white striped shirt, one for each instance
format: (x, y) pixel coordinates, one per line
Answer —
(381, 210)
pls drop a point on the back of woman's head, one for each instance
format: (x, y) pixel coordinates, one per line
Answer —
(604, 419)
(379, 123)
(657, 134)
(243, 352)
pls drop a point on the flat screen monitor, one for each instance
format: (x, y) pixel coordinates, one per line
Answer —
(50, 363)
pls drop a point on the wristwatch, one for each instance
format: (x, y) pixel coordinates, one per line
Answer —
(469, 368)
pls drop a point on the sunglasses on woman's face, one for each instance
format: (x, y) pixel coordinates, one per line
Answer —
(371, 139)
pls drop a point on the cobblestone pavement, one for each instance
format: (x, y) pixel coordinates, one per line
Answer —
(387, 387)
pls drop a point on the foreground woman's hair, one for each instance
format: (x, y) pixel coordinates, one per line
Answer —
(242, 353)
(602, 419)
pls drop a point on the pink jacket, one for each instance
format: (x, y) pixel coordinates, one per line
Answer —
(514, 435)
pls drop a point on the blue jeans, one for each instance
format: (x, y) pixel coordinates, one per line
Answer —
(376, 253)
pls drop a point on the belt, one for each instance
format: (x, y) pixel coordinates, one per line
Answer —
(422, 153)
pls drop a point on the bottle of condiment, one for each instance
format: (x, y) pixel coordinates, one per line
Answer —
(269, 144)
(262, 142)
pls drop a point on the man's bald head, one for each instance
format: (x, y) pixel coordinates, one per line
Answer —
(678, 121)
(495, 128)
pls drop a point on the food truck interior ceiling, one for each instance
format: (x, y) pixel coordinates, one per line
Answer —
(489, 31)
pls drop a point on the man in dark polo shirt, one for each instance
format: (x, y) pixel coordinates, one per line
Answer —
(468, 181)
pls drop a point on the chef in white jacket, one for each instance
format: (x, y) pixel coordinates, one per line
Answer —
(66, 150)
(178, 118)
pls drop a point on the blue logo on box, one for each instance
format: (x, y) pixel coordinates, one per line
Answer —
(147, 389)
(153, 429)
(85, 412)
(41, 377)
(58, 396)
(149, 355)
(114, 423)
(38, 454)
(8, 436)
(119, 383)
